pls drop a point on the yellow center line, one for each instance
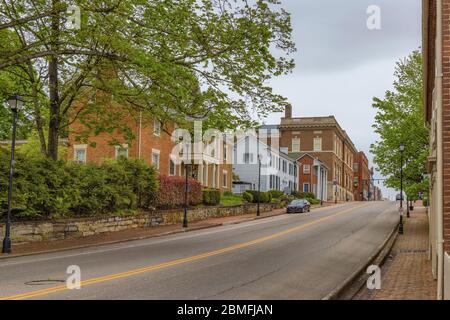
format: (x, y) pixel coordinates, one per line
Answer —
(121, 275)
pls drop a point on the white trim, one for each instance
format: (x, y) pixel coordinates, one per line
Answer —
(123, 146)
(156, 152)
(225, 181)
(77, 147)
(155, 132)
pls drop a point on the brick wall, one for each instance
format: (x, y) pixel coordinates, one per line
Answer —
(446, 119)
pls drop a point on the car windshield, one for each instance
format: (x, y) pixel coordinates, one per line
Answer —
(297, 202)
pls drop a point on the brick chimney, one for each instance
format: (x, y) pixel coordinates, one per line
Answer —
(288, 111)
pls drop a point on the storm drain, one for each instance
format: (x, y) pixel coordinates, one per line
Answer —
(44, 282)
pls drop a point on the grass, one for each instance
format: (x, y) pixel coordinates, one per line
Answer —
(231, 200)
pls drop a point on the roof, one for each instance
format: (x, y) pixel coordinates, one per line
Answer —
(298, 155)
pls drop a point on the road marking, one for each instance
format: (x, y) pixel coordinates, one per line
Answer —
(148, 241)
(126, 274)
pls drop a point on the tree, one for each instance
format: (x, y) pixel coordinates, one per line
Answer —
(170, 59)
(400, 119)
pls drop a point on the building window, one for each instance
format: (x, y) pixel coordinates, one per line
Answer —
(225, 153)
(155, 158)
(80, 153)
(317, 144)
(225, 178)
(306, 187)
(296, 145)
(306, 169)
(284, 166)
(122, 152)
(248, 158)
(157, 127)
(172, 167)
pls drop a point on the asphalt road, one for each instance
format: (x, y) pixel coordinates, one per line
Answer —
(301, 256)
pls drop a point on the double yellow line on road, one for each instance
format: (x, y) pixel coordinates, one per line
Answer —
(126, 274)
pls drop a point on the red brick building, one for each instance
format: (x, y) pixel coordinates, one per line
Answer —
(436, 54)
(313, 175)
(323, 138)
(361, 180)
(153, 144)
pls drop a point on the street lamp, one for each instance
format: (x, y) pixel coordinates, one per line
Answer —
(15, 103)
(400, 227)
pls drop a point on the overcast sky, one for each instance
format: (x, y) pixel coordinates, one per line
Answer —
(341, 64)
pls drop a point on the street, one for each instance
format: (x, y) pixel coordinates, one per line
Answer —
(298, 256)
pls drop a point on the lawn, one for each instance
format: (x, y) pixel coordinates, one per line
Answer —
(231, 200)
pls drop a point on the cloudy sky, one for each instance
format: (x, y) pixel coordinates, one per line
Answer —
(341, 64)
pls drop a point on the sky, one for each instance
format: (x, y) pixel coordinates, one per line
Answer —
(341, 64)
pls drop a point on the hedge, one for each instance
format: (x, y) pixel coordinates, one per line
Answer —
(247, 196)
(276, 194)
(211, 197)
(303, 195)
(44, 188)
(265, 197)
(172, 192)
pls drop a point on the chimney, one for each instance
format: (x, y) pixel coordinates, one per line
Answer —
(288, 111)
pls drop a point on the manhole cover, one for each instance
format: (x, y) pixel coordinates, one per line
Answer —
(44, 282)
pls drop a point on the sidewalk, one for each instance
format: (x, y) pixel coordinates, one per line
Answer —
(406, 275)
(131, 234)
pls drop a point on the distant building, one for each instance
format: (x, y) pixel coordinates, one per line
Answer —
(313, 175)
(278, 170)
(361, 180)
(324, 139)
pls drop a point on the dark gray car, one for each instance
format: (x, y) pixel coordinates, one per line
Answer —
(299, 206)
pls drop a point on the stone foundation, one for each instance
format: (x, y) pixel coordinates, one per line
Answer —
(34, 231)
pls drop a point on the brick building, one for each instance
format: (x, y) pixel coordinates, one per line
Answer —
(153, 144)
(436, 53)
(361, 180)
(323, 138)
(313, 175)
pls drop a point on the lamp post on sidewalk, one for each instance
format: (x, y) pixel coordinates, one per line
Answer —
(15, 103)
(400, 227)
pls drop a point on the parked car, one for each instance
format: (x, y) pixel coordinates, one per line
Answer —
(298, 205)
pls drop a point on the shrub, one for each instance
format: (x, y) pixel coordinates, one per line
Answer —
(303, 195)
(313, 201)
(211, 197)
(265, 197)
(247, 196)
(172, 192)
(276, 193)
(46, 188)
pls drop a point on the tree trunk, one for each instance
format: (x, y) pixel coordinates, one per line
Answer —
(53, 129)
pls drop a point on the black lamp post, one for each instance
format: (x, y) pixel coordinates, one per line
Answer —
(15, 103)
(186, 190)
(400, 227)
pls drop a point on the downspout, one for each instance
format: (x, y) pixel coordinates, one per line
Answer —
(440, 182)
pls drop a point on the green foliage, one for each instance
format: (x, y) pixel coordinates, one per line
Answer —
(303, 195)
(211, 197)
(400, 119)
(265, 197)
(248, 197)
(53, 189)
(230, 199)
(167, 58)
(313, 200)
(276, 193)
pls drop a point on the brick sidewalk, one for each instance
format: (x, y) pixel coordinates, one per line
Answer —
(406, 274)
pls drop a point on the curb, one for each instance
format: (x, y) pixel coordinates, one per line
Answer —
(345, 288)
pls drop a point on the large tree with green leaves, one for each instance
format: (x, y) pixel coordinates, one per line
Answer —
(168, 58)
(400, 119)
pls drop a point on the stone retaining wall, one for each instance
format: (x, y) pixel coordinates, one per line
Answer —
(34, 231)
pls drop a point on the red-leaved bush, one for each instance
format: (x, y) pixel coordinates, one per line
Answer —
(171, 192)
